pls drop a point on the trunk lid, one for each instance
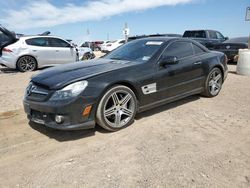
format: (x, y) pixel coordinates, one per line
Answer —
(6, 38)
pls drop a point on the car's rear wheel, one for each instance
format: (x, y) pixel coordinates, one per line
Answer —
(26, 63)
(213, 83)
(117, 108)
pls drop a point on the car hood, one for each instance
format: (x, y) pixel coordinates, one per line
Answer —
(60, 76)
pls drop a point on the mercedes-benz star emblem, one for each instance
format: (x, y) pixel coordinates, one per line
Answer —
(30, 90)
(227, 47)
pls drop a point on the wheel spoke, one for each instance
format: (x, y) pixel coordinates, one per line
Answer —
(213, 89)
(126, 99)
(214, 75)
(117, 119)
(127, 112)
(211, 83)
(217, 78)
(115, 99)
(109, 111)
(217, 86)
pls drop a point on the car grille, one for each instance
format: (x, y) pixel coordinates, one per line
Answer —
(36, 92)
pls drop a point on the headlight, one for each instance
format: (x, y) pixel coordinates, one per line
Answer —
(70, 91)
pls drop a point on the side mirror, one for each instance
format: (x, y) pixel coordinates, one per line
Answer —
(226, 38)
(168, 60)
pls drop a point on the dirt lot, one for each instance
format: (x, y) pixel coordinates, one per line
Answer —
(196, 142)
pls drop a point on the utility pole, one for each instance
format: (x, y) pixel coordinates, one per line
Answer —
(126, 32)
(88, 34)
(248, 19)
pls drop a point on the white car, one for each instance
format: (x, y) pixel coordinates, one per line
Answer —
(103, 45)
(31, 52)
(111, 45)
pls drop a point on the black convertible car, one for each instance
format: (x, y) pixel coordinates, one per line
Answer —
(137, 76)
(231, 47)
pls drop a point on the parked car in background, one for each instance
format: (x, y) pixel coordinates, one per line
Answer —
(103, 45)
(85, 53)
(153, 35)
(94, 45)
(231, 47)
(31, 52)
(137, 76)
(207, 38)
(27, 53)
(111, 45)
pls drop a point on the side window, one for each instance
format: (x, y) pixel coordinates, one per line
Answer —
(197, 49)
(55, 42)
(179, 50)
(219, 35)
(38, 42)
(212, 34)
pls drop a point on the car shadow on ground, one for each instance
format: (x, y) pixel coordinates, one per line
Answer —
(6, 70)
(63, 136)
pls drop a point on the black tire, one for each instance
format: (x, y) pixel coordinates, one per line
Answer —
(213, 83)
(86, 56)
(26, 63)
(114, 117)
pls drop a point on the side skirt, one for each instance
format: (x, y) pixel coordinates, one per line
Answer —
(170, 99)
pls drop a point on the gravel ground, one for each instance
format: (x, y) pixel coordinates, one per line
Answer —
(195, 142)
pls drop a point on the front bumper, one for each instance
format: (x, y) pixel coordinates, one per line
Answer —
(72, 112)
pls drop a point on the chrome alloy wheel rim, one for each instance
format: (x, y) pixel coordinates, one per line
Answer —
(27, 63)
(215, 82)
(119, 109)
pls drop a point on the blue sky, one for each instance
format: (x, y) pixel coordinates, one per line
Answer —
(72, 19)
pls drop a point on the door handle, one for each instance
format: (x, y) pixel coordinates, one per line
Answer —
(34, 50)
(57, 50)
(198, 63)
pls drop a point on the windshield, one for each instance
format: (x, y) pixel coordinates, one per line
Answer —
(138, 50)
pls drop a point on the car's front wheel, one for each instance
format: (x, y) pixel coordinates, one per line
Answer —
(26, 63)
(117, 108)
(86, 56)
(213, 83)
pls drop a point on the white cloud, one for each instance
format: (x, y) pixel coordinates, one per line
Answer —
(44, 14)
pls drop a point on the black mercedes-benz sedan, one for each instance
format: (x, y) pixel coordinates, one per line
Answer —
(137, 76)
(231, 47)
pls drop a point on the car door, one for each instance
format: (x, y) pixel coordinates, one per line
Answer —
(65, 53)
(214, 38)
(6, 38)
(40, 49)
(182, 77)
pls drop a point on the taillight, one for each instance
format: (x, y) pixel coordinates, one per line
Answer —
(7, 50)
